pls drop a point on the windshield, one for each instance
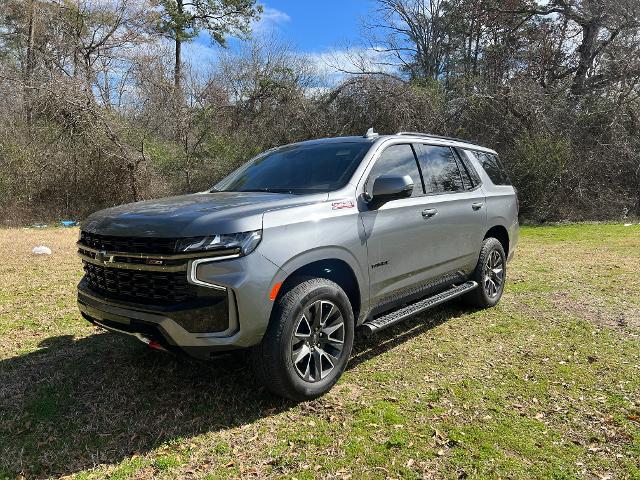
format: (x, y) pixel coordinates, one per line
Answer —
(298, 169)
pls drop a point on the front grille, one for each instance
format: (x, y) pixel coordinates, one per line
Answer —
(162, 246)
(139, 286)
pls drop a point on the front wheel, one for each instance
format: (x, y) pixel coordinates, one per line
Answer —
(490, 274)
(308, 342)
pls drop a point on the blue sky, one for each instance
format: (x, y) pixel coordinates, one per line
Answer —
(318, 25)
(317, 28)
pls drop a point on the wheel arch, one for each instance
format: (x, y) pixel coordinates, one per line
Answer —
(334, 269)
(501, 234)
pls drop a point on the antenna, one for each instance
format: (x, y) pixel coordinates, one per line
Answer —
(370, 133)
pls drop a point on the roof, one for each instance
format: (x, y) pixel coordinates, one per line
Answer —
(437, 139)
(456, 142)
(340, 140)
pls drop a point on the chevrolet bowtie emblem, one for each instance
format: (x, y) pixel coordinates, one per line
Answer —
(102, 257)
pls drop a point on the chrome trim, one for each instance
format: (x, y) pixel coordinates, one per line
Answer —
(104, 255)
(134, 266)
(177, 256)
(192, 278)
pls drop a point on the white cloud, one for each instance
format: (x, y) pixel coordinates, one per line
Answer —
(270, 20)
(334, 65)
(200, 53)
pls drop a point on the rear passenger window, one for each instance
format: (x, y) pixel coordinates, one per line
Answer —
(494, 168)
(439, 169)
(397, 160)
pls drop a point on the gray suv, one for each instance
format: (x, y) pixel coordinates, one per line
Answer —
(300, 246)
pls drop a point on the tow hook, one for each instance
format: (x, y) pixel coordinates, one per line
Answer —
(152, 343)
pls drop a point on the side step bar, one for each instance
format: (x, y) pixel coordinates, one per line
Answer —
(396, 316)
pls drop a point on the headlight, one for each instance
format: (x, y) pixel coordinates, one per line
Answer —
(245, 241)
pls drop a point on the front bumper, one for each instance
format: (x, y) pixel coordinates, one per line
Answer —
(247, 282)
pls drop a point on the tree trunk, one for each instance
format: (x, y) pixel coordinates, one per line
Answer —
(133, 170)
(586, 52)
(177, 71)
(29, 67)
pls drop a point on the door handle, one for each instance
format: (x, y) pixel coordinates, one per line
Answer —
(429, 212)
(477, 205)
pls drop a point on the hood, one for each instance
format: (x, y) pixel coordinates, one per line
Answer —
(193, 215)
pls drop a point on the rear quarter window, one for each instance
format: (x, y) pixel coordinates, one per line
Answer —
(494, 168)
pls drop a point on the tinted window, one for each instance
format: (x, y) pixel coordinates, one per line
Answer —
(494, 168)
(303, 168)
(439, 169)
(466, 179)
(466, 163)
(397, 160)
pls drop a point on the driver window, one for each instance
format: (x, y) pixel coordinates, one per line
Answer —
(397, 160)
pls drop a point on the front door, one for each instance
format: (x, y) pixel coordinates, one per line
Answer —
(394, 230)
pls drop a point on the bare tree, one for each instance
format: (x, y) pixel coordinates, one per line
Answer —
(415, 32)
(603, 26)
(97, 108)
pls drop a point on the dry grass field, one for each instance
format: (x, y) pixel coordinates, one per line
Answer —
(545, 385)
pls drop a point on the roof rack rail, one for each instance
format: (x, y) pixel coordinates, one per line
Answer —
(439, 137)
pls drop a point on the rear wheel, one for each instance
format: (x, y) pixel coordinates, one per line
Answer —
(308, 341)
(490, 274)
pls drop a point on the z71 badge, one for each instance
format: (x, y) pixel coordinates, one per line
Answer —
(380, 264)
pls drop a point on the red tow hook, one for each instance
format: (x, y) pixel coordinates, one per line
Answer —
(155, 345)
(152, 343)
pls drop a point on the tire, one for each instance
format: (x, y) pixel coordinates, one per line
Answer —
(302, 358)
(490, 274)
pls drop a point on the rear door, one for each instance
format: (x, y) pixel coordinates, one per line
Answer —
(456, 200)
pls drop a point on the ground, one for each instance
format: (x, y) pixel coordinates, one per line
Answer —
(545, 385)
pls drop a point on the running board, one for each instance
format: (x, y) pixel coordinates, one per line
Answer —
(396, 316)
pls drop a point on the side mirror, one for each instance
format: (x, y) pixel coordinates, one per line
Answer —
(390, 187)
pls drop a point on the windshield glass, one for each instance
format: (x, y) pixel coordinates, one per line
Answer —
(304, 168)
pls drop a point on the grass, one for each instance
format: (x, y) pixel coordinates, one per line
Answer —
(545, 385)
